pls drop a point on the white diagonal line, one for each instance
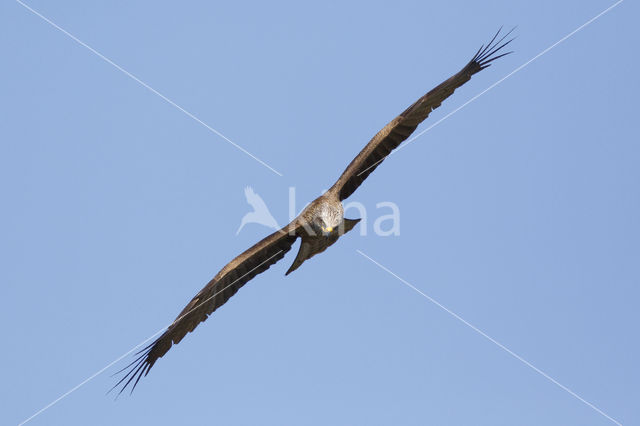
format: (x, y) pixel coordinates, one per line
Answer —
(278, 173)
(145, 85)
(494, 85)
(491, 339)
(97, 373)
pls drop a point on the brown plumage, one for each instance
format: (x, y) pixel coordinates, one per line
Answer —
(319, 225)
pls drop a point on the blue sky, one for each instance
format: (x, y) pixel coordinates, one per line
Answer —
(519, 213)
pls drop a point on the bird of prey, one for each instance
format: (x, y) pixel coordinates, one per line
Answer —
(319, 225)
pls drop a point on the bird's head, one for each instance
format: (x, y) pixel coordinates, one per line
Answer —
(327, 219)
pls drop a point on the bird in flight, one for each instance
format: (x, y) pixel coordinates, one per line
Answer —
(319, 225)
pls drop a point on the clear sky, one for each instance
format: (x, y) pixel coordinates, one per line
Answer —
(519, 213)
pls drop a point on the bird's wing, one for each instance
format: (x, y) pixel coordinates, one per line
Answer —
(401, 127)
(225, 284)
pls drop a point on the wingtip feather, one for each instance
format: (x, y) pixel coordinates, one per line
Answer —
(488, 53)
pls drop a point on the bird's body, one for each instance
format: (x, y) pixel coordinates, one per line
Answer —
(319, 225)
(322, 222)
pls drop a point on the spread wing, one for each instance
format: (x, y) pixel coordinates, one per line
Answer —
(225, 284)
(401, 127)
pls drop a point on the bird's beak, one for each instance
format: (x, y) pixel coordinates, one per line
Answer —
(327, 229)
